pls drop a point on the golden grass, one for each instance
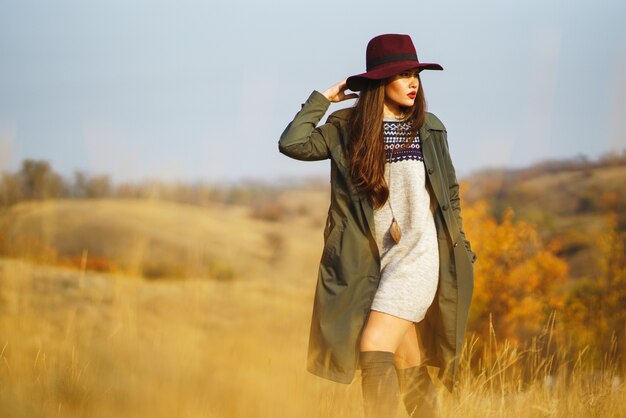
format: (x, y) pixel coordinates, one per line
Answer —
(113, 346)
(75, 343)
(120, 347)
(508, 381)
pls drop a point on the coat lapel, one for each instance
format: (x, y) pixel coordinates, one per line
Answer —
(436, 176)
(432, 165)
(429, 159)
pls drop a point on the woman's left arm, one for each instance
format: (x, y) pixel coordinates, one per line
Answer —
(455, 200)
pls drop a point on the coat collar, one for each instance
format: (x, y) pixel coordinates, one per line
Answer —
(424, 132)
(431, 122)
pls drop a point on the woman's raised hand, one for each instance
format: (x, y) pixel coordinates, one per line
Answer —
(337, 92)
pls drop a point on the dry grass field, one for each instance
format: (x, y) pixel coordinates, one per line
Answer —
(202, 312)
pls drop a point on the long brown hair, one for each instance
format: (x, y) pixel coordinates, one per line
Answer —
(366, 150)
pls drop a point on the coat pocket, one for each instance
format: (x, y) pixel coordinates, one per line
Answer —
(332, 237)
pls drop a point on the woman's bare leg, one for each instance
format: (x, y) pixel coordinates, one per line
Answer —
(408, 353)
(383, 332)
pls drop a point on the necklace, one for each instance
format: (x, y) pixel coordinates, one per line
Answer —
(394, 229)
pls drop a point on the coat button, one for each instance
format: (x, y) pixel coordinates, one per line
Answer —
(455, 244)
(430, 170)
(445, 206)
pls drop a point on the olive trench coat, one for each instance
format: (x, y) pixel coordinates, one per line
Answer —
(349, 269)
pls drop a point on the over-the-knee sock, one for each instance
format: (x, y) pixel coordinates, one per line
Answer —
(379, 383)
(418, 391)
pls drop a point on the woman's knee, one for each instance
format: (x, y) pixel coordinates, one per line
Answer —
(409, 352)
(374, 338)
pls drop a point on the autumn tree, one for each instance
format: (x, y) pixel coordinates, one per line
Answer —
(518, 277)
(10, 189)
(85, 186)
(595, 306)
(39, 181)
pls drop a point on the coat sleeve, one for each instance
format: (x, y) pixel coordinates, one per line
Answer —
(302, 139)
(455, 200)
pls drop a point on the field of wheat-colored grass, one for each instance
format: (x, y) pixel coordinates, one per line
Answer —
(80, 343)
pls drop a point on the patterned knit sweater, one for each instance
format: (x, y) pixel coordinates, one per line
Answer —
(410, 268)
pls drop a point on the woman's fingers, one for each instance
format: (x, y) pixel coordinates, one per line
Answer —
(336, 92)
(333, 92)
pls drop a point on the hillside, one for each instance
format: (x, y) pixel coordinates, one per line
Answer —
(569, 202)
(157, 239)
(280, 230)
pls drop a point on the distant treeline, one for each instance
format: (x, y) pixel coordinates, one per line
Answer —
(37, 180)
(497, 182)
(567, 164)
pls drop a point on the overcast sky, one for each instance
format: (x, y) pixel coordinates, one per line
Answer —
(201, 90)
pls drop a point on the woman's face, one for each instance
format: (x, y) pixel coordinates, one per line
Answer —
(401, 90)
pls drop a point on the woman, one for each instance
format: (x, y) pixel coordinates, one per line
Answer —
(395, 277)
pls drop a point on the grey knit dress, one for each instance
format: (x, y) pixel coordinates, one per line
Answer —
(410, 268)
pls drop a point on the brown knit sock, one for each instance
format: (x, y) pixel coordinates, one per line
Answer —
(418, 392)
(379, 383)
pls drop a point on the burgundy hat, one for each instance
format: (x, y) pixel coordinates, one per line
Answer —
(388, 55)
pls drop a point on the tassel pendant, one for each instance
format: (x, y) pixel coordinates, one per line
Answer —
(395, 232)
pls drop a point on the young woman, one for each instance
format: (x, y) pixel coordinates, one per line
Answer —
(395, 278)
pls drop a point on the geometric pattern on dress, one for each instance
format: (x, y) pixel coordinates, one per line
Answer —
(396, 133)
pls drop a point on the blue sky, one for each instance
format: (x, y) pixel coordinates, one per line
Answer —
(199, 90)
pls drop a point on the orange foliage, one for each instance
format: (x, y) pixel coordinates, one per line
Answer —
(609, 200)
(518, 277)
(595, 305)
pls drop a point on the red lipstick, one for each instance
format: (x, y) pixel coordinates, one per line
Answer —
(412, 94)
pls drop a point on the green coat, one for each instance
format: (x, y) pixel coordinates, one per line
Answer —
(349, 269)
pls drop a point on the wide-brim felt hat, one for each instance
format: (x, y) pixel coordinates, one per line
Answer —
(386, 56)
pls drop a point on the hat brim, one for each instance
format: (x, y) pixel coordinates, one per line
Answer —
(357, 82)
